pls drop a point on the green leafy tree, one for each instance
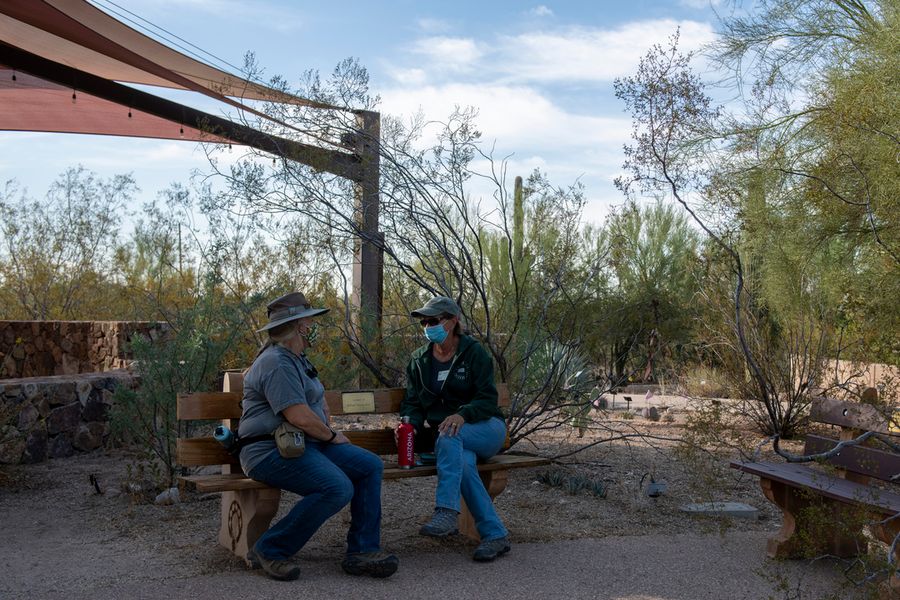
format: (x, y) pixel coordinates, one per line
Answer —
(654, 262)
(56, 255)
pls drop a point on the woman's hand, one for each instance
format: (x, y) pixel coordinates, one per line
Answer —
(450, 426)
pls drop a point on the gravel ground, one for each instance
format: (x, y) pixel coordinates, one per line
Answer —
(62, 536)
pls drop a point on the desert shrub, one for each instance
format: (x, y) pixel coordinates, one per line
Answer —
(704, 382)
(572, 484)
(185, 360)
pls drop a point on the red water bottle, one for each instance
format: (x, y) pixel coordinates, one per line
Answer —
(406, 434)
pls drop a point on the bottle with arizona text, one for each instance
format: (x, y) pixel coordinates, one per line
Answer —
(406, 434)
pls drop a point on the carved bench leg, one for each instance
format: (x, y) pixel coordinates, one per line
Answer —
(810, 526)
(494, 483)
(246, 515)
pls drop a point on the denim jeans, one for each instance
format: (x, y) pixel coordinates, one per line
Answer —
(328, 476)
(458, 473)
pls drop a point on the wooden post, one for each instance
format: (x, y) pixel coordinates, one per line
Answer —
(368, 277)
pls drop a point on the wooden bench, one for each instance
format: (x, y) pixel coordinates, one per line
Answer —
(821, 507)
(249, 506)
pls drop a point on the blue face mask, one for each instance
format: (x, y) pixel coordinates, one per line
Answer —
(436, 333)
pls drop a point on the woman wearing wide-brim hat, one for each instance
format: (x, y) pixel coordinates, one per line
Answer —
(282, 385)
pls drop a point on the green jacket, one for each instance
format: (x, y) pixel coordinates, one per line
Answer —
(469, 389)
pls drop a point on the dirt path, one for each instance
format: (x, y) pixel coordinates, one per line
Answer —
(62, 539)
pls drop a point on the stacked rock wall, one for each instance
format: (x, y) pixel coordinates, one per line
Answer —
(42, 348)
(53, 417)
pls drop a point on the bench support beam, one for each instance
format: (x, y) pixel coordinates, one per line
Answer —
(246, 514)
(809, 525)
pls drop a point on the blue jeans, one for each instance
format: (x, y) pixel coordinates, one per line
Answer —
(458, 473)
(328, 476)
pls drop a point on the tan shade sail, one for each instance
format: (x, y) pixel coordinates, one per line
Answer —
(40, 98)
(77, 34)
(51, 50)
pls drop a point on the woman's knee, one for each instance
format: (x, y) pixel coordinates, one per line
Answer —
(338, 491)
(446, 442)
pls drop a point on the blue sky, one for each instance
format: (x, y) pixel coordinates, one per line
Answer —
(541, 75)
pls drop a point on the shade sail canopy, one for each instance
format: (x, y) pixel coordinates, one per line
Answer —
(77, 34)
(61, 62)
(49, 107)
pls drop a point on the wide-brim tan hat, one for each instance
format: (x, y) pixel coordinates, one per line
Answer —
(290, 307)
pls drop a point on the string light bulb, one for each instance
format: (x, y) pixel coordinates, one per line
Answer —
(129, 113)
(74, 97)
(181, 131)
(14, 76)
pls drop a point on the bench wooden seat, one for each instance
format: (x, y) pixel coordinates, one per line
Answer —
(248, 506)
(821, 508)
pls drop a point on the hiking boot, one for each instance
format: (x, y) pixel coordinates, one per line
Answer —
(491, 549)
(374, 564)
(443, 523)
(282, 570)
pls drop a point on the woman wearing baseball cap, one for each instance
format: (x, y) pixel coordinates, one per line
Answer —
(282, 393)
(451, 399)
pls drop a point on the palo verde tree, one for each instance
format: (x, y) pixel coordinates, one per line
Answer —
(751, 179)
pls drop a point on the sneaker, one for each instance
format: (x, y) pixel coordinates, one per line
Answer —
(282, 570)
(491, 549)
(443, 523)
(374, 564)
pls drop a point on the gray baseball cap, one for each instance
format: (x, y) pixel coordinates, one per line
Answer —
(439, 305)
(289, 308)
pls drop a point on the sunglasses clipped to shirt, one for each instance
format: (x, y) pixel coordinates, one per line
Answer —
(432, 321)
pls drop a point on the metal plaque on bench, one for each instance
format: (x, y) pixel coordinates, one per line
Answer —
(358, 402)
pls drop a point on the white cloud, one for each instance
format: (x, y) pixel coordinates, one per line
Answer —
(541, 11)
(570, 55)
(516, 116)
(430, 25)
(583, 54)
(408, 77)
(148, 154)
(454, 54)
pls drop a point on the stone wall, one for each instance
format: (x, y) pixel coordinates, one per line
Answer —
(42, 348)
(54, 417)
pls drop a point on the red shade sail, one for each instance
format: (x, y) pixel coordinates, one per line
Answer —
(61, 62)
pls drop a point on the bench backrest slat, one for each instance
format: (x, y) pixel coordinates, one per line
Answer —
(200, 451)
(200, 406)
(850, 414)
(858, 459)
(227, 405)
